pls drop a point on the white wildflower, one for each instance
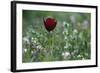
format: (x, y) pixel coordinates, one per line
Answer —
(31, 52)
(34, 41)
(86, 54)
(65, 54)
(65, 23)
(83, 58)
(79, 56)
(25, 50)
(32, 38)
(75, 31)
(39, 46)
(80, 35)
(65, 38)
(75, 52)
(68, 24)
(65, 32)
(25, 39)
(33, 31)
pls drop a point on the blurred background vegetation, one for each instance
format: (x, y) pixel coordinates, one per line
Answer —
(70, 40)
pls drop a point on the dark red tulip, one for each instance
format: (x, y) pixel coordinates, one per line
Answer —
(50, 23)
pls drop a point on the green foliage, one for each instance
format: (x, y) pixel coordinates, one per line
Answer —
(70, 40)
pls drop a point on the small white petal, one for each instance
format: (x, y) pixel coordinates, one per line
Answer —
(80, 35)
(38, 46)
(65, 54)
(75, 31)
(32, 38)
(64, 22)
(34, 41)
(83, 58)
(65, 37)
(68, 24)
(79, 56)
(25, 39)
(31, 52)
(25, 50)
(63, 32)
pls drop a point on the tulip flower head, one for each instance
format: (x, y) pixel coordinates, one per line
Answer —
(49, 23)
